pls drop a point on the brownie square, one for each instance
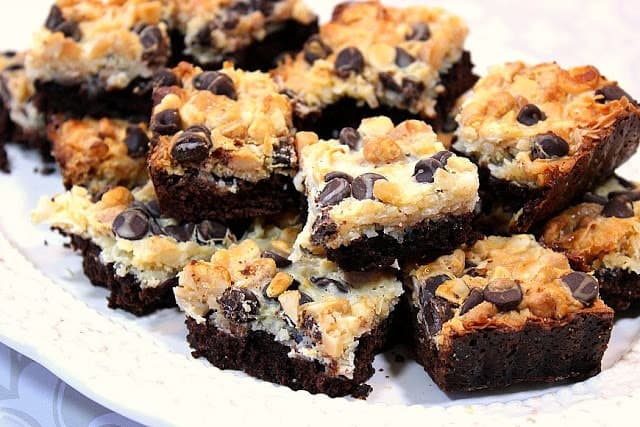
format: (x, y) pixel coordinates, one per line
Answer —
(602, 235)
(543, 135)
(223, 146)
(505, 311)
(100, 154)
(382, 192)
(372, 59)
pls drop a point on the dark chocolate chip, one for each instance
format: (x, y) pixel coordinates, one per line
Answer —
(431, 284)
(203, 35)
(612, 93)
(334, 192)
(475, 297)
(155, 48)
(505, 294)
(315, 49)
(425, 170)
(191, 147)
(404, 58)
(323, 282)
(166, 122)
(54, 19)
(155, 228)
(442, 157)
(153, 207)
(548, 146)
(594, 198)
(70, 29)
(180, 232)
(304, 299)
(583, 287)
(436, 312)
(350, 137)
(362, 186)
(450, 125)
(137, 141)
(618, 207)
(333, 175)
(281, 262)
(411, 90)
(217, 83)
(208, 231)
(419, 31)
(57, 23)
(164, 77)
(14, 67)
(239, 305)
(294, 286)
(388, 82)
(530, 114)
(349, 60)
(199, 128)
(131, 224)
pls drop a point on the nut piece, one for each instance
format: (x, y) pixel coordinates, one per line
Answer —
(382, 150)
(279, 284)
(290, 301)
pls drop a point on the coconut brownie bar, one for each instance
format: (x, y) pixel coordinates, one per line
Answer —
(127, 246)
(20, 120)
(543, 135)
(506, 311)
(372, 59)
(98, 58)
(100, 154)
(384, 192)
(252, 34)
(223, 145)
(307, 325)
(602, 235)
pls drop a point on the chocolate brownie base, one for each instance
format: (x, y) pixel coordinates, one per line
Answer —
(81, 99)
(619, 289)
(259, 355)
(422, 242)
(540, 352)
(347, 112)
(264, 55)
(193, 197)
(125, 292)
(538, 204)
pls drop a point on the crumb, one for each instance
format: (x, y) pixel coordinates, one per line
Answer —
(362, 392)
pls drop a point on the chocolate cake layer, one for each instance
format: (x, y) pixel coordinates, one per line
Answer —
(422, 242)
(259, 355)
(591, 168)
(539, 352)
(619, 289)
(194, 197)
(125, 292)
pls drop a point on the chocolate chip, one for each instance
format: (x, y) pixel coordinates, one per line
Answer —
(583, 287)
(315, 49)
(618, 207)
(505, 294)
(419, 31)
(281, 262)
(425, 170)
(155, 228)
(594, 198)
(436, 311)
(430, 285)
(216, 83)
(208, 231)
(450, 125)
(324, 282)
(191, 147)
(388, 82)
(304, 299)
(70, 29)
(404, 58)
(153, 208)
(475, 297)
(362, 186)
(334, 192)
(203, 35)
(56, 22)
(612, 93)
(284, 152)
(350, 137)
(548, 146)
(239, 305)
(137, 141)
(530, 114)
(349, 60)
(411, 90)
(155, 47)
(54, 19)
(131, 224)
(442, 157)
(180, 232)
(164, 77)
(199, 128)
(166, 122)
(332, 175)
(159, 93)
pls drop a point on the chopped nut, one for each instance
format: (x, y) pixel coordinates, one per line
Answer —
(290, 302)
(279, 284)
(382, 150)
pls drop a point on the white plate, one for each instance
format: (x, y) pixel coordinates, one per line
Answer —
(142, 368)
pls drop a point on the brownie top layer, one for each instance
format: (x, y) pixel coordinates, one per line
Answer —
(127, 226)
(100, 154)
(378, 55)
(103, 44)
(502, 282)
(601, 232)
(529, 123)
(215, 28)
(311, 306)
(381, 177)
(16, 93)
(230, 123)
